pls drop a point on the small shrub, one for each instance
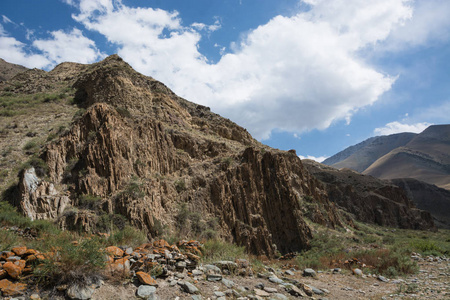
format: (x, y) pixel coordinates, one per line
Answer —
(128, 236)
(180, 185)
(426, 247)
(70, 263)
(214, 250)
(124, 112)
(31, 145)
(134, 188)
(228, 161)
(89, 202)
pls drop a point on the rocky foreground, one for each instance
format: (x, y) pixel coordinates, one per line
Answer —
(161, 271)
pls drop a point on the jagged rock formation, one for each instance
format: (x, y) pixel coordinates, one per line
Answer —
(369, 199)
(428, 197)
(140, 151)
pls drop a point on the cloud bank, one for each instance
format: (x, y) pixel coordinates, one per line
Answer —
(291, 74)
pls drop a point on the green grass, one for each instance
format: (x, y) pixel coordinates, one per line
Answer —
(215, 250)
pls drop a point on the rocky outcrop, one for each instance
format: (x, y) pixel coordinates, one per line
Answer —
(142, 152)
(428, 197)
(139, 151)
(39, 199)
(369, 199)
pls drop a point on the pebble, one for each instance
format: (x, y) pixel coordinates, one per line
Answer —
(188, 287)
(309, 273)
(228, 283)
(289, 272)
(275, 279)
(270, 290)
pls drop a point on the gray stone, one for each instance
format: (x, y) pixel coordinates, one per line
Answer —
(197, 272)
(214, 277)
(189, 287)
(180, 265)
(212, 269)
(219, 294)
(270, 290)
(196, 297)
(275, 279)
(309, 273)
(259, 285)
(382, 278)
(144, 291)
(228, 283)
(278, 296)
(76, 292)
(289, 272)
(316, 290)
(295, 291)
(261, 293)
(357, 272)
(129, 250)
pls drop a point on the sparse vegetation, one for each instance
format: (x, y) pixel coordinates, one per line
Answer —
(180, 185)
(214, 250)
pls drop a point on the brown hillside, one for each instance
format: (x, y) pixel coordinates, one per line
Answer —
(370, 199)
(169, 166)
(8, 70)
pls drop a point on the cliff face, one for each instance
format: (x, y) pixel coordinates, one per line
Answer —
(140, 151)
(429, 198)
(369, 199)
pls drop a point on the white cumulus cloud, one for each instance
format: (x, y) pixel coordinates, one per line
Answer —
(397, 127)
(293, 73)
(68, 46)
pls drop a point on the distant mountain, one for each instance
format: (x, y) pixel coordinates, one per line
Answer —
(424, 156)
(8, 70)
(359, 157)
(428, 197)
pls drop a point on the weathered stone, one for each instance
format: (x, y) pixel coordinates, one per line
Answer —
(144, 291)
(197, 272)
(3, 274)
(196, 297)
(316, 290)
(308, 290)
(212, 269)
(289, 272)
(189, 287)
(19, 251)
(145, 278)
(13, 270)
(219, 294)
(261, 293)
(382, 278)
(228, 283)
(115, 251)
(76, 292)
(278, 296)
(309, 273)
(275, 279)
(35, 297)
(295, 291)
(270, 290)
(180, 265)
(12, 289)
(13, 258)
(357, 272)
(214, 277)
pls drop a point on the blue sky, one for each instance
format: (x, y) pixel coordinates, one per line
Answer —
(313, 75)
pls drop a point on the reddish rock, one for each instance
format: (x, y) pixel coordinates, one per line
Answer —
(115, 251)
(31, 258)
(145, 278)
(21, 264)
(161, 244)
(120, 265)
(31, 252)
(10, 289)
(193, 256)
(5, 254)
(13, 270)
(19, 251)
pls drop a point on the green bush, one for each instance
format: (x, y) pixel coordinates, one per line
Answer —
(129, 236)
(180, 185)
(71, 263)
(426, 247)
(214, 250)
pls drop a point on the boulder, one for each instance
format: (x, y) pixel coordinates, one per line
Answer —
(13, 270)
(77, 292)
(10, 289)
(144, 291)
(146, 279)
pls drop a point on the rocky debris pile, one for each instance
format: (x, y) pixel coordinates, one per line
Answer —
(14, 265)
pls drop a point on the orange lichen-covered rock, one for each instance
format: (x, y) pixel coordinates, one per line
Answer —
(10, 289)
(13, 270)
(161, 244)
(145, 278)
(3, 273)
(21, 264)
(19, 251)
(114, 251)
(30, 252)
(120, 265)
(193, 256)
(5, 254)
